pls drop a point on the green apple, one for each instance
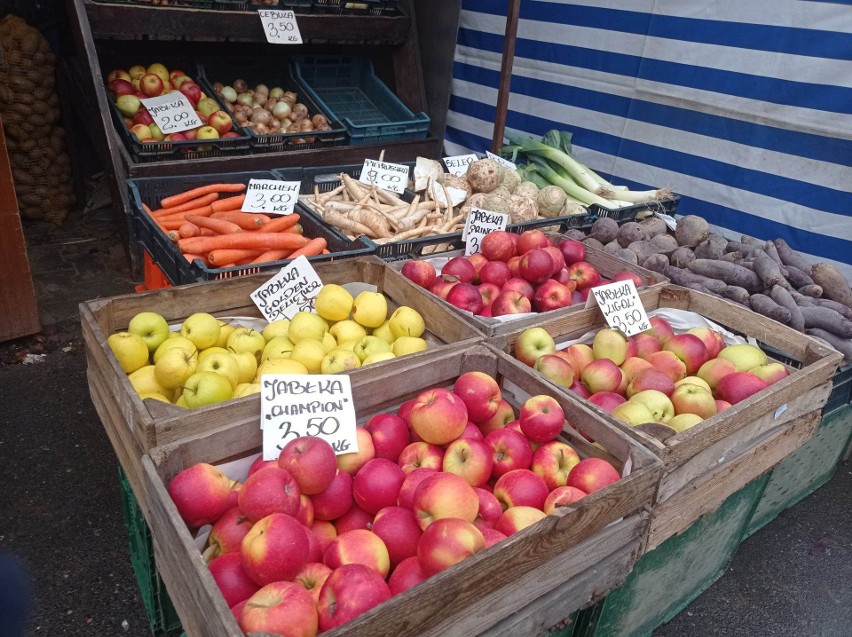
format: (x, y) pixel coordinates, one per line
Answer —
(278, 347)
(207, 106)
(406, 321)
(246, 389)
(339, 360)
(682, 422)
(247, 364)
(151, 327)
(128, 105)
(206, 388)
(202, 329)
(384, 332)
(276, 328)
(245, 339)
(224, 364)
(225, 331)
(174, 367)
(408, 345)
(130, 350)
(347, 330)
(743, 357)
(210, 351)
(207, 132)
(305, 325)
(377, 358)
(178, 341)
(370, 345)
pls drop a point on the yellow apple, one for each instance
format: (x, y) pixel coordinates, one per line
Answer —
(406, 321)
(333, 302)
(181, 402)
(693, 380)
(144, 381)
(276, 328)
(206, 388)
(347, 345)
(305, 325)
(130, 350)
(370, 345)
(278, 347)
(202, 329)
(225, 331)
(178, 341)
(174, 367)
(408, 345)
(384, 332)
(309, 353)
(247, 364)
(151, 327)
(682, 422)
(211, 351)
(246, 389)
(347, 330)
(377, 358)
(339, 360)
(370, 309)
(154, 396)
(245, 339)
(280, 366)
(328, 342)
(224, 364)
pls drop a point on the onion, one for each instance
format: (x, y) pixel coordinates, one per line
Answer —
(270, 103)
(229, 94)
(306, 125)
(274, 126)
(262, 88)
(290, 97)
(260, 98)
(261, 116)
(276, 92)
(261, 129)
(318, 119)
(241, 118)
(218, 86)
(281, 110)
(286, 124)
(240, 86)
(301, 110)
(244, 98)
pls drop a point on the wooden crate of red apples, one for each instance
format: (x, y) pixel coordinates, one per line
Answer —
(521, 274)
(310, 542)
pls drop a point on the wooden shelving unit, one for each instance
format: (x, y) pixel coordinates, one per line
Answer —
(391, 39)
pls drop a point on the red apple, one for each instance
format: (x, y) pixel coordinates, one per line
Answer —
(349, 591)
(447, 542)
(713, 341)
(633, 365)
(358, 546)
(627, 275)
(272, 490)
(541, 418)
(311, 461)
(471, 432)
(688, 348)
(442, 285)
(405, 499)
(259, 463)
(398, 529)
(722, 405)
(693, 399)
(460, 267)
(486, 312)
(492, 536)
(334, 501)
(553, 461)
(438, 416)
(517, 284)
(517, 519)
(325, 532)
(770, 373)
(551, 295)
(592, 474)
(201, 494)
(510, 302)
(477, 260)
(118, 74)
(530, 239)
(227, 534)
(536, 266)
(572, 251)
(602, 375)
(480, 393)
(151, 85)
(651, 378)
(354, 518)
(556, 369)
(465, 296)
(315, 550)
(645, 344)
(444, 495)
(192, 91)
(715, 370)
(231, 579)
(221, 121)
(660, 328)
(585, 274)
(407, 574)
(521, 487)
(514, 266)
(562, 497)
(420, 272)
(419, 455)
(312, 577)
(489, 509)
(669, 364)
(390, 435)
(738, 386)
(511, 450)
(498, 246)
(503, 416)
(496, 272)
(119, 87)
(580, 389)
(282, 608)
(470, 460)
(607, 400)
(579, 355)
(377, 484)
(276, 548)
(488, 292)
(558, 259)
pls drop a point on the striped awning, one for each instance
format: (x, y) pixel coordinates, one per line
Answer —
(744, 108)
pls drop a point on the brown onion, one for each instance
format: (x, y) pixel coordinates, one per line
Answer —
(290, 97)
(318, 120)
(306, 125)
(244, 98)
(240, 86)
(260, 99)
(218, 86)
(261, 129)
(301, 110)
(281, 110)
(262, 88)
(276, 92)
(261, 116)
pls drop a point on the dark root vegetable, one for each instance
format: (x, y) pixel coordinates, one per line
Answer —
(630, 232)
(691, 230)
(842, 345)
(791, 257)
(736, 294)
(826, 319)
(833, 283)
(762, 304)
(782, 297)
(626, 255)
(656, 263)
(591, 241)
(664, 243)
(654, 226)
(642, 250)
(730, 273)
(604, 229)
(682, 257)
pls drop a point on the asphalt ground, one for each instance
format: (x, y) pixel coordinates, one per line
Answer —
(60, 511)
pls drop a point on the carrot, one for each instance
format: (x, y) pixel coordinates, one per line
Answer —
(183, 197)
(173, 235)
(188, 230)
(271, 255)
(245, 220)
(281, 223)
(199, 202)
(326, 251)
(231, 203)
(248, 240)
(171, 224)
(205, 211)
(217, 257)
(206, 232)
(311, 248)
(219, 226)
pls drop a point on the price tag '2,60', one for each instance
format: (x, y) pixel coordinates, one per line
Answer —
(621, 306)
(271, 196)
(280, 27)
(172, 112)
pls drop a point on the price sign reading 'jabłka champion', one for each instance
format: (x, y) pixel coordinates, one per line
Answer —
(621, 306)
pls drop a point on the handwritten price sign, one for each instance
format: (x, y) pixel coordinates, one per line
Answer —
(392, 177)
(478, 224)
(271, 196)
(293, 289)
(458, 164)
(320, 406)
(622, 308)
(172, 112)
(280, 27)
(503, 162)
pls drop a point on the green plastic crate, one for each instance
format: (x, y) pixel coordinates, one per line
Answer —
(665, 580)
(806, 470)
(162, 615)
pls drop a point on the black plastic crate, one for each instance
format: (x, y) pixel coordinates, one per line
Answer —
(277, 75)
(628, 213)
(175, 266)
(298, 6)
(356, 7)
(327, 178)
(194, 4)
(350, 91)
(179, 150)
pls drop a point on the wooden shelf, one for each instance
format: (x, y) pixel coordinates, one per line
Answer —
(139, 22)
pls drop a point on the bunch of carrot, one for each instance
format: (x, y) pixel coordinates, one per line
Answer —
(213, 229)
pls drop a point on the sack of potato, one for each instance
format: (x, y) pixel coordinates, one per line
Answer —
(29, 107)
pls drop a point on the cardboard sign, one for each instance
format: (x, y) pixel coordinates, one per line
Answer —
(671, 222)
(500, 160)
(293, 406)
(172, 112)
(392, 177)
(478, 224)
(457, 164)
(621, 306)
(292, 290)
(280, 27)
(271, 196)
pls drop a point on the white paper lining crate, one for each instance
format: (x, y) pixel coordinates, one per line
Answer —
(605, 263)
(521, 586)
(135, 426)
(705, 464)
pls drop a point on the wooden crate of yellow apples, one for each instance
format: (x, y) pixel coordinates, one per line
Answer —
(173, 363)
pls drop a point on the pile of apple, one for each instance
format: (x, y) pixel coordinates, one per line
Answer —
(311, 540)
(656, 376)
(513, 274)
(138, 82)
(210, 361)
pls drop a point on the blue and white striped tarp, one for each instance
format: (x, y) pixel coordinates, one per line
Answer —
(744, 108)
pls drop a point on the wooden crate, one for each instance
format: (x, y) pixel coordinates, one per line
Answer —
(135, 426)
(604, 262)
(695, 460)
(521, 586)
